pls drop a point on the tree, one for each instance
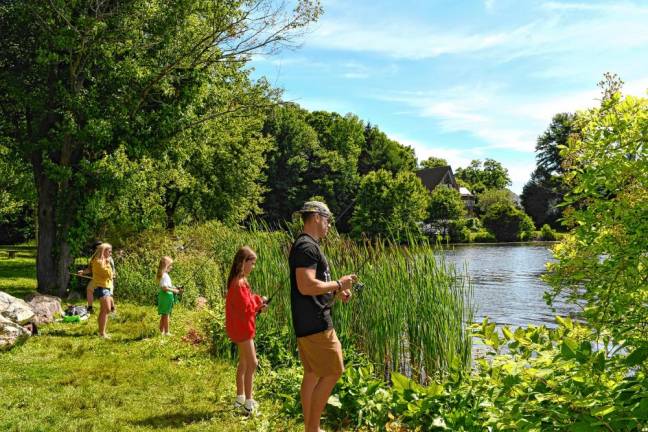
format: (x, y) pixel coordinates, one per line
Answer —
(16, 199)
(389, 205)
(508, 223)
(445, 205)
(81, 80)
(490, 197)
(602, 263)
(380, 152)
(544, 190)
(492, 175)
(434, 162)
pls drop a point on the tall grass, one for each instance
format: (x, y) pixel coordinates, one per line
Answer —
(410, 317)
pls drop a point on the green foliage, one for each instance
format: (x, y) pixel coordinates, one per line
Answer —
(433, 162)
(490, 197)
(389, 205)
(109, 89)
(380, 152)
(313, 154)
(545, 190)
(602, 264)
(547, 380)
(546, 233)
(490, 175)
(508, 223)
(445, 204)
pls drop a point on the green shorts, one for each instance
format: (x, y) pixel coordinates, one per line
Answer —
(165, 302)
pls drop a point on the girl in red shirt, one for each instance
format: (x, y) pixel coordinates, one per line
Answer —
(241, 308)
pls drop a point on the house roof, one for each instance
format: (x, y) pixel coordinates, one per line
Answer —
(463, 191)
(431, 177)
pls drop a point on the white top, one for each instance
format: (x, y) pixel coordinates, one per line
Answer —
(165, 281)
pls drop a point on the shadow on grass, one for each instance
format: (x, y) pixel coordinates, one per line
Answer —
(18, 276)
(175, 420)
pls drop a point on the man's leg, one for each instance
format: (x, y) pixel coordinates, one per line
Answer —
(318, 401)
(308, 385)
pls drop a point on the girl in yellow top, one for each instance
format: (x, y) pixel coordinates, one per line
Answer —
(102, 277)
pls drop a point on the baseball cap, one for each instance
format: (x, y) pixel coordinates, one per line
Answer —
(316, 207)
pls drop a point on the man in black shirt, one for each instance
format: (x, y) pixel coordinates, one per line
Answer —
(311, 295)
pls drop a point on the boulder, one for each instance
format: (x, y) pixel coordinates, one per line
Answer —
(46, 308)
(15, 309)
(11, 333)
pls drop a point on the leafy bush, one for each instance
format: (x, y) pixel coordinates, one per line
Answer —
(482, 236)
(547, 380)
(546, 233)
(508, 223)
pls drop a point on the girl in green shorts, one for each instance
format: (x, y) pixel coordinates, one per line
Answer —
(166, 295)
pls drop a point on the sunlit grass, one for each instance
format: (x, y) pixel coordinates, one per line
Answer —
(18, 275)
(68, 379)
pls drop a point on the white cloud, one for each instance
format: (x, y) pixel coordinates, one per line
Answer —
(612, 25)
(601, 7)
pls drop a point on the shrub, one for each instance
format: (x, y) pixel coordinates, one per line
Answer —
(483, 236)
(508, 223)
(546, 233)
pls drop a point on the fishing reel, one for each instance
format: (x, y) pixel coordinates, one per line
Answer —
(358, 287)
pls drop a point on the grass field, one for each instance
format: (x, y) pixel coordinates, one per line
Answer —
(18, 275)
(69, 379)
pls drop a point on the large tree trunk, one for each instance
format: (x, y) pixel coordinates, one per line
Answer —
(53, 258)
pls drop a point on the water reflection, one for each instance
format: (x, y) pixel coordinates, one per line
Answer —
(506, 281)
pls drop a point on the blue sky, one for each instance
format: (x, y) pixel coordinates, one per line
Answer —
(464, 80)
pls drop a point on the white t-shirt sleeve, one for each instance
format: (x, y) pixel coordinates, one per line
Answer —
(165, 281)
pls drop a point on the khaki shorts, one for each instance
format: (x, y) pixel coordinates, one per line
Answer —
(321, 353)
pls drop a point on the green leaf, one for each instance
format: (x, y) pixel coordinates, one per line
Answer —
(603, 411)
(335, 401)
(638, 356)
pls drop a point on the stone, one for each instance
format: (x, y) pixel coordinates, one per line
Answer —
(15, 309)
(45, 308)
(201, 303)
(11, 333)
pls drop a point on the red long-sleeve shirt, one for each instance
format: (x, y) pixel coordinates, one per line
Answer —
(241, 307)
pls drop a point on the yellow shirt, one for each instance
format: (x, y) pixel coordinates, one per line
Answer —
(102, 274)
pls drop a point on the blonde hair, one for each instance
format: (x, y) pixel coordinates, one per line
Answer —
(243, 254)
(99, 251)
(165, 262)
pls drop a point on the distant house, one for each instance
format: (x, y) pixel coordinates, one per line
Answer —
(433, 177)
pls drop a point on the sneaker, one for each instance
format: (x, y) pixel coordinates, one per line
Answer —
(105, 336)
(251, 407)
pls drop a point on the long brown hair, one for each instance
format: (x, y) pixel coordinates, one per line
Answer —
(243, 254)
(165, 262)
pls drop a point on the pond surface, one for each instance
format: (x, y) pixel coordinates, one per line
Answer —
(506, 282)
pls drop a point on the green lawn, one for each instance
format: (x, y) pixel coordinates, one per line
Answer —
(18, 275)
(69, 379)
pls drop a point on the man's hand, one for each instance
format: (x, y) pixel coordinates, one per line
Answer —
(347, 281)
(345, 295)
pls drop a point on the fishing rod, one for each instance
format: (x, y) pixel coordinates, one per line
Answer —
(79, 275)
(356, 287)
(269, 299)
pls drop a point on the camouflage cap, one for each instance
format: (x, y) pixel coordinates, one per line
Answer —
(316, 207)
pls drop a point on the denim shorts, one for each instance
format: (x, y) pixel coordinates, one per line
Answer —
(101, 292)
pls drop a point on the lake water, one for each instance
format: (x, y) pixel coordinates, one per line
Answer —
(506, 282)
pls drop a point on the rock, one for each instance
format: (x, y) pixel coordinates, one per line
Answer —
(11, 333)
(201, 303)
(73, 296)
(45, 307)
(15, 309)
